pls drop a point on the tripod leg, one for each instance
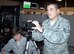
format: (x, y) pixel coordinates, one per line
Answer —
(37, 49)
(28, 50)
(27, 47)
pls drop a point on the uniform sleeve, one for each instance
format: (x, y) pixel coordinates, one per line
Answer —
(8, 46)
(59, 35)
(37, 36)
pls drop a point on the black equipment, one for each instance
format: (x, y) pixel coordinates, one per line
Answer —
(30, 39)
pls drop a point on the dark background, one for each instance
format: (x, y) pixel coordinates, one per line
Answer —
(70, 3)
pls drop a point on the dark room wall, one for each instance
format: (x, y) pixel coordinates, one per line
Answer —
(8, 3)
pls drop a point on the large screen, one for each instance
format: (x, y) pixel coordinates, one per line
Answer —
(26, 4)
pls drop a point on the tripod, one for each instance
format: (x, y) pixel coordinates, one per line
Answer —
(28, 42)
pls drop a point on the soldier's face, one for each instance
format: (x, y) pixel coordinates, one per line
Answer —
(17, 37)
(52, 11)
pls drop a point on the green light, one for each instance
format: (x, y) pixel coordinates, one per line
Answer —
(26, 4)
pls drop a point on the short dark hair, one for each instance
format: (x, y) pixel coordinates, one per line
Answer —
(57, 6)
(16, 30)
